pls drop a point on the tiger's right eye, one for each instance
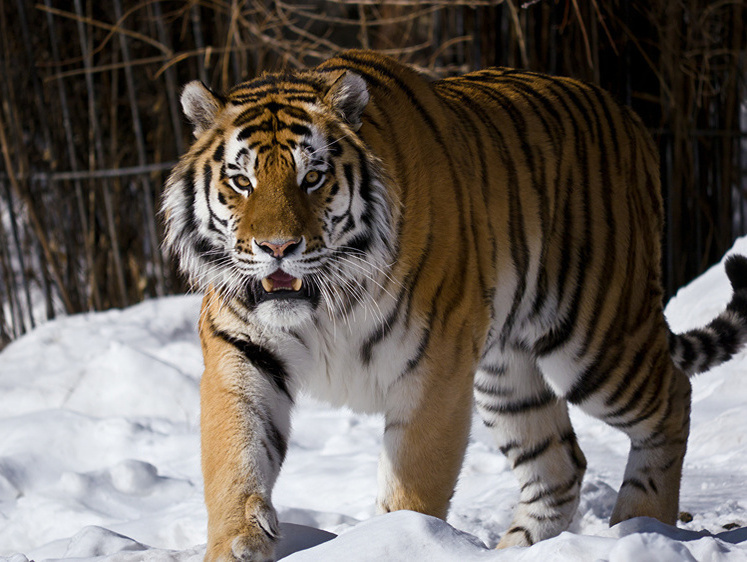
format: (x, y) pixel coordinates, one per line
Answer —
(242, 184)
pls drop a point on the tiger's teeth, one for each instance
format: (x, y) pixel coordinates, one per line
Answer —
(267, 285)
(296, 284)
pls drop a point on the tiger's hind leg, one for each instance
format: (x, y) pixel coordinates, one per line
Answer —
(531, 427)
(658, 429)
(649, 400)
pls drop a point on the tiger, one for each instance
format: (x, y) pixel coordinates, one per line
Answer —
(422, 248)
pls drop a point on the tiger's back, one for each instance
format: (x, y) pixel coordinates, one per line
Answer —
(412, 247)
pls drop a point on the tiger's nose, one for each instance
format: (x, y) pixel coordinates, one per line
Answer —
(280, 249)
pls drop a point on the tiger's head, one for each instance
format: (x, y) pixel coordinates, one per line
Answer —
(279, 203)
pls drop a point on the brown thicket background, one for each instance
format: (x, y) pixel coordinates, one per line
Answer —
(90, 121)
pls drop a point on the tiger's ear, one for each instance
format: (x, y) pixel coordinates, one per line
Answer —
(200, 105)
(348, 94)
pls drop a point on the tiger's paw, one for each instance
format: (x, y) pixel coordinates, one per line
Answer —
(255, 542)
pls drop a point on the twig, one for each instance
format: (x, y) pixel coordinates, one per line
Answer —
(583, 33)
(148, 199)
(114, 29)
(519, 32)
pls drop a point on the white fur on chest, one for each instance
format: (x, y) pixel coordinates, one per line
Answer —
(330, 365)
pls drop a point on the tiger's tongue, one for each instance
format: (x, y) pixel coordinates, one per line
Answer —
(281, 280)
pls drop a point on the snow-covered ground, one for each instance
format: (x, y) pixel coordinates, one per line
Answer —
(99, 457)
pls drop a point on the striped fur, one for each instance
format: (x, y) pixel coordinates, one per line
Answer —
(489, 239)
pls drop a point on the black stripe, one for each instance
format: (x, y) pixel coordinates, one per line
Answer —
(273, 126)
(708, 347)
(247, 132)
(218, 154)
(349, 224)
(533, 481)
(378, 335)
(562, 501)
(524, 531)
(643, 416)
(561, 488)
(272, 106)
(727, 334)
(670, 463)
(533, 453)
(290, 95)
(333, 145)
(594, 376)
(657, 369)
(491, 391)
(249, 114)
(364, 188)
(577, 456)
(508, 447)
(652, 485)
(361, 242)
(350, 180)
(296, 129)
(493, 370)
(635, 366)
(188, 189)
(261, 358)
(274, 83)
(207, 181)
(545, 518)
(562, 331)
(688, 352)
(520, 406)
(425, 337)
(415, 360)
(635, 483)
(278, 441)
(205, 249)
(604, 186)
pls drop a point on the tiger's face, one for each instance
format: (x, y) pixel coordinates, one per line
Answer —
(278, 203)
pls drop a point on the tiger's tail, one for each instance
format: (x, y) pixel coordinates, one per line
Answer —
(701, 349)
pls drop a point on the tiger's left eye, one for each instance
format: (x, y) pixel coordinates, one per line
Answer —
(242, 184)
(312, 180)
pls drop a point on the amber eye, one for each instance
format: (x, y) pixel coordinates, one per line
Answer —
(242, 183)
(312, 180)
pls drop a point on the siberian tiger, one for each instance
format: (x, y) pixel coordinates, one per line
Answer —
(415, 248)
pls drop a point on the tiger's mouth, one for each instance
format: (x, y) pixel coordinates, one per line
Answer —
(281, 281)
(281, 285)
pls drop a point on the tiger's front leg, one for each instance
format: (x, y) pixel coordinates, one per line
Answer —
(425, 437)
(245, 421)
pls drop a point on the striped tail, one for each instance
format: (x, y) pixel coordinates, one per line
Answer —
(702, 349)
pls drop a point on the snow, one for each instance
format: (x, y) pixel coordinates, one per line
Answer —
(99, 459)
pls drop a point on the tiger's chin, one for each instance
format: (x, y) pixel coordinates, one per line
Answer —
(286, 306)
(284, 313)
